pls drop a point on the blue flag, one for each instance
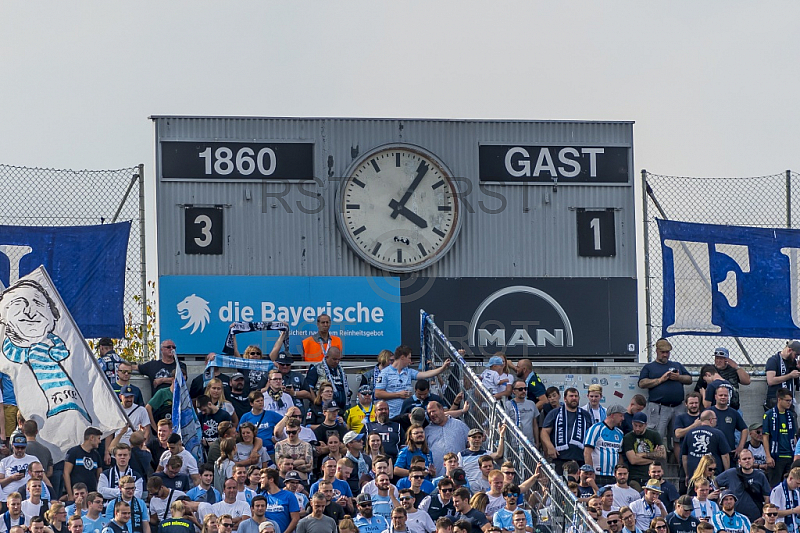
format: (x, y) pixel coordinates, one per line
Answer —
(730, 280)
(184, 418)
(86, 264)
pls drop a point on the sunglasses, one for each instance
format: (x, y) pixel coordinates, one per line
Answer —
(520, 389)
(292, 432)
(512, 495)
(228, 524)
(123, 371)
(612, 521)
(170, 347)
(446, 490)
(416, 477)
(770, 514)
(365, 504)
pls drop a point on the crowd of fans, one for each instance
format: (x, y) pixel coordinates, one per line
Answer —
(288, 452)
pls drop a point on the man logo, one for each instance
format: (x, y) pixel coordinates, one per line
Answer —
(559, 337)
(195, 311)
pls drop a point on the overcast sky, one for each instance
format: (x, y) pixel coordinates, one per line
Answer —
(712, 86)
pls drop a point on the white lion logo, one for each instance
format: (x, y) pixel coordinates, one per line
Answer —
(195, 311)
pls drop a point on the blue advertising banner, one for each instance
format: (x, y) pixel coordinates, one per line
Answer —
(86, 264)
(730, 280)
(196, 311)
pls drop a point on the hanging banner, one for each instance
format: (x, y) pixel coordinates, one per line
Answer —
(56, 379)
(730, 280)
(87, 265)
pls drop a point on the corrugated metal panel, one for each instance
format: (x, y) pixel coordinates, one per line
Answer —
(271, 234)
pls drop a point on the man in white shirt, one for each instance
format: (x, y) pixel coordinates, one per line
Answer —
(624, 494)
(14, 468)
(237, 509)
(189, 462)
(161, 498)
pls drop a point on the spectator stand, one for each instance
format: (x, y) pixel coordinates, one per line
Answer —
(560, 513)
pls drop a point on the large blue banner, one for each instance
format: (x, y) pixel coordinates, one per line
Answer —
(730, 280)
(86, 264)
(196, 311)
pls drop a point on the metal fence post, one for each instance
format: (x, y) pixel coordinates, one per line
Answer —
(788, 198)
(143, 256)
(645, 229)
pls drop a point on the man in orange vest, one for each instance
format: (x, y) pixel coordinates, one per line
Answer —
(315, 347)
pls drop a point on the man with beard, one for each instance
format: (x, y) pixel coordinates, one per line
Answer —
(748, 484)
(366, 521)
(237, 395)
(416, 445)
(389, 431)
(665, 380)
(330, 370)
(681, 519)
(687, 421)
(564, 429)
(728, 519)
(603, 443)
(523, 412)
(536, 391)
(440, 503)
(641, 447)
(782, 372)
(624, 494)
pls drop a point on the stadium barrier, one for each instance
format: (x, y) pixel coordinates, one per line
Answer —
(551, 499)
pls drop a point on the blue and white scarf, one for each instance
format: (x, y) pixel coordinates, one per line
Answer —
(239, 363)
(246, 327)
(564, 441)
(792, 499)
(774, 431)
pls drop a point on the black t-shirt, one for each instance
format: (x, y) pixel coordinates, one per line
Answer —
(255, 379)
(314, 415)
(158, 369)
(390, 435)
(176, 525)
(437, 510)
(84, 467)
(296, 380)
(323, 431)
(241, 404)
(335, 511)
(677, 524)
(211, 422)
(156, 451)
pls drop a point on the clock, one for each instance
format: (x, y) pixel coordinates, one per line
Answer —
(398, 208)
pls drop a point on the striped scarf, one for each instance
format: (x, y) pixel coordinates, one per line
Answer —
(565, 439)
(245, 327)
(45, 362)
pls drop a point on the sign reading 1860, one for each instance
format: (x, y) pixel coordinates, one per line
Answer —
(237, 160)
(566, 164)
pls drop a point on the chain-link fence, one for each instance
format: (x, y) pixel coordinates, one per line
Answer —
(54, 197)
(553, 505)
(762, 201)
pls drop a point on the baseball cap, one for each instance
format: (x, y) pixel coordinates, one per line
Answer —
(127, 390)
(365, 389)
(364, 498)
(495, 360)
(663, 345)
(265, 524)
(721, 352)
(292, 475)
(458, 476)
(615, 409)
(328, 459)
(640, 417)
(685, 501)
(475, 431)
(19, 440)
(237, 375)
(727, 493)
(654, 485)
(350, 436)
(330, 405)
(284, 359)
(105, 341)
(587, 468)
(755, 425)
(418, 415)
(795, 345)
(602, 490)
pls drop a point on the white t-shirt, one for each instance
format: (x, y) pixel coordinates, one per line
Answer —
(138, 416)
(189, 462)
(10, 466)
(29, 509)
(495, 504)
(235, 509)
(158, 506)
(272, 405)
(4, 529)
(420, 522)
(490, 379)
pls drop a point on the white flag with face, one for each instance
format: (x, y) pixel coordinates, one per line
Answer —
(57, 381)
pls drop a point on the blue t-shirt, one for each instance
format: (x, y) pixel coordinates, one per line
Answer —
(712, 387)
(671, 391)
(392, 380)
(338, 485)
(701, 441)
(729, 422)
(144, 512)
(404, 458)
(382, 506)
(426, 487)
(607, 444)
(199, 494)
(502, 519)
(376, 524)
(684, 420)
(94, 526)
(279, 507)
(264, 423)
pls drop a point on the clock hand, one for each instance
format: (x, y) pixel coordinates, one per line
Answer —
(412, 216)
(422, 169)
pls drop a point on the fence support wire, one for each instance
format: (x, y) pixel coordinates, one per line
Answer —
(551, 499)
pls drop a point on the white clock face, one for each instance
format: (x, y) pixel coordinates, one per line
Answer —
(399, 209)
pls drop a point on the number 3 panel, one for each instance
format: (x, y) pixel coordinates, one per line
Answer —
(203, 230)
